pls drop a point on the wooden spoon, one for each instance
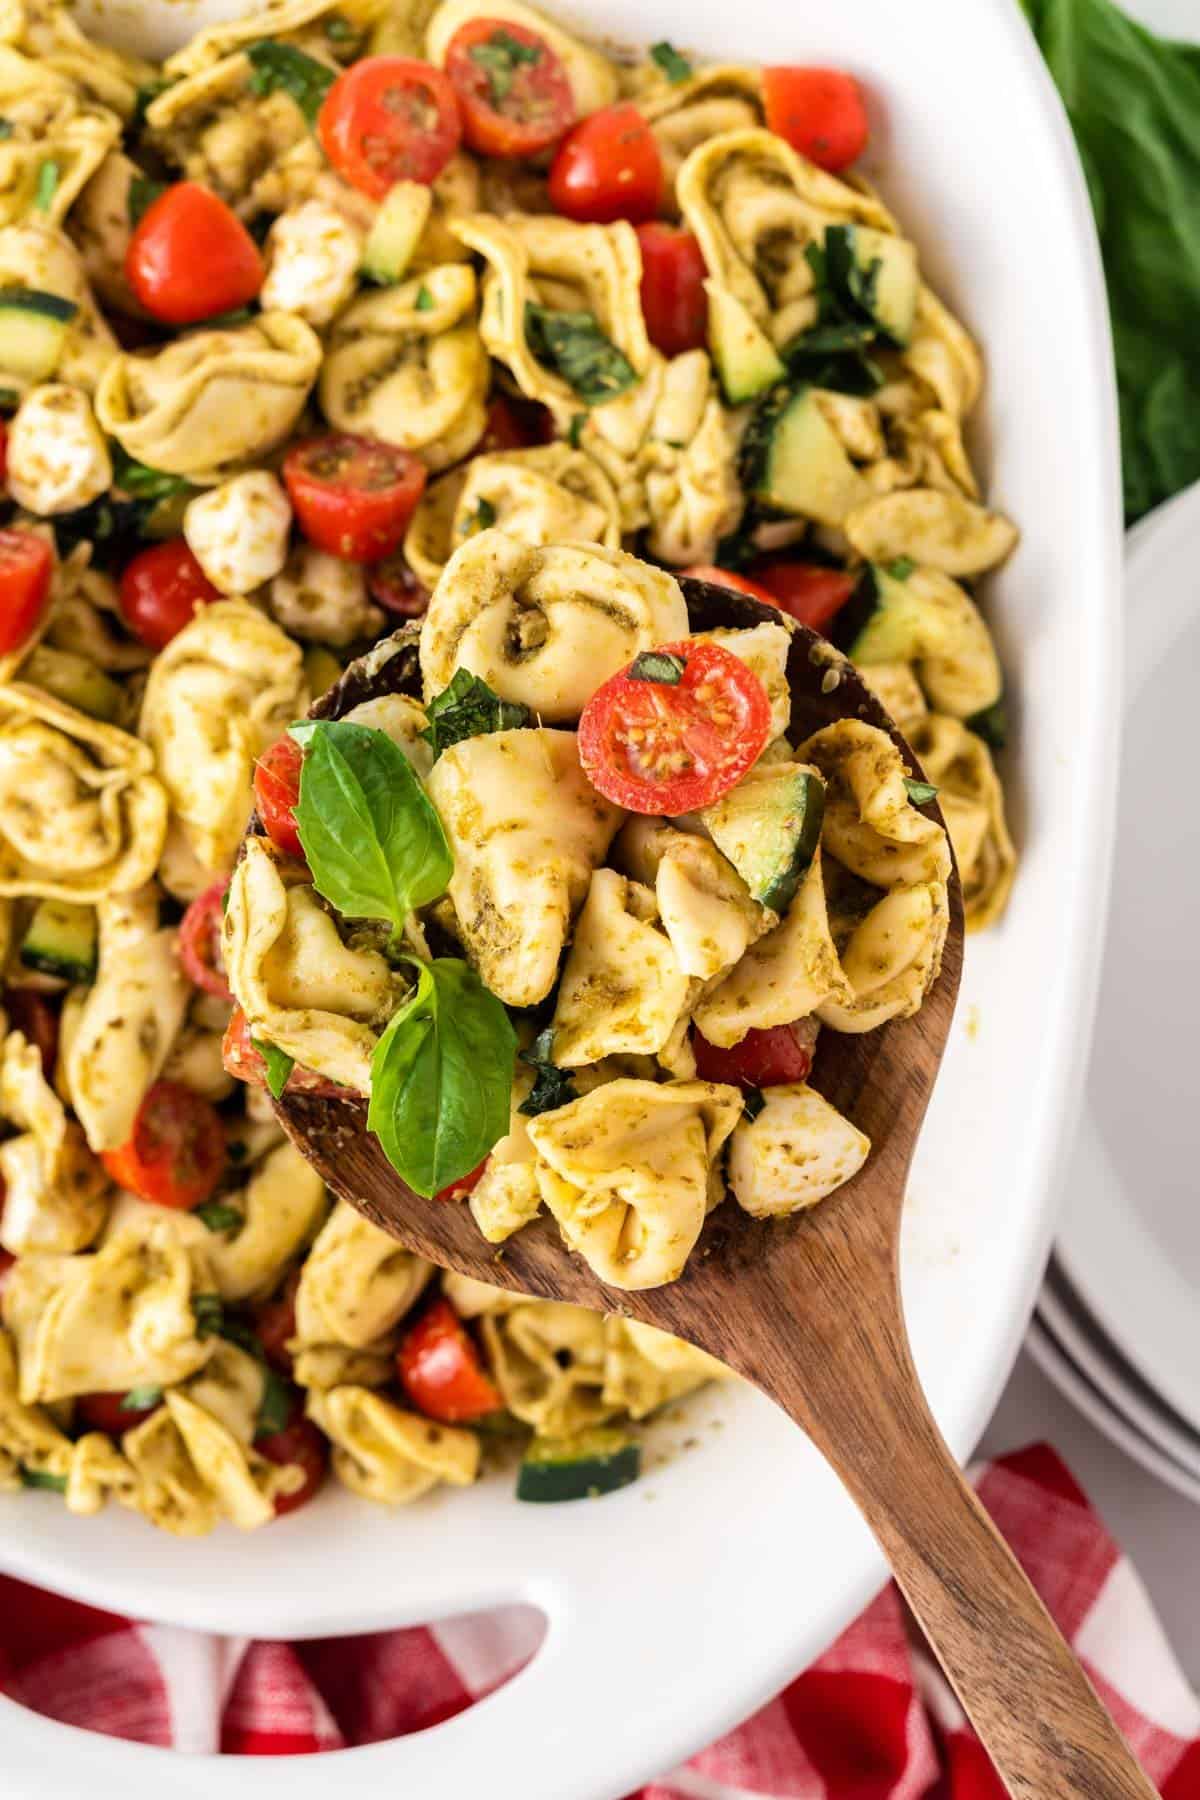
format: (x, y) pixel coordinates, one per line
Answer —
(808, 1308)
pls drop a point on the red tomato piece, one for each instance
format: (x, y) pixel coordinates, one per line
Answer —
(275, 1322)
(176, 1155)
(516, 424)
(3, 449)
(245, 1062)
(26, 565)
(762, 1059)
(674, 303)
(36, 1017)
(458, 1190)
(808, 591)
(657, 746)
(513, 91)
(277, 791)
(389, 119)
(740, 584)
(105, 1412)
(353, 496)
(160, 591)
(200, 942)
(299, 1442)
(440, 1369)
(819, 112)
(608, 168)
(190, 257)
(394, 586)
(7, 1261)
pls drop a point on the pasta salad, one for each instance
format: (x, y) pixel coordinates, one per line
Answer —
(435, 339)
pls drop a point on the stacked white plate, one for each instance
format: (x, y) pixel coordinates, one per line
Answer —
(1117, 1326)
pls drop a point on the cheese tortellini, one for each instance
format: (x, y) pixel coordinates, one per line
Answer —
(55, 1192)
(387, 1454)
(356, 1284)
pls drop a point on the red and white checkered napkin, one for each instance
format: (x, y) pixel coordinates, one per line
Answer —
(871, 1720)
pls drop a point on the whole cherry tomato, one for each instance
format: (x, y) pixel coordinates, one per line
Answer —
(810, 592)
(26, 566)
(513, 90)
(108, 1412)
(353, 496)
(190, 257)
(160, 590)
(200, 942)
(608, 168)
(674, 304)
(277, 792)
(389, 119)
(394, 586)
(762, 1059)
(301, 1443)
(819, 112)
(441, 1371)
(176, 1153)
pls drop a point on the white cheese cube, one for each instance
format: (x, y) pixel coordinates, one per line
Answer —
(57, 457)
(238, 532)
(313, 258)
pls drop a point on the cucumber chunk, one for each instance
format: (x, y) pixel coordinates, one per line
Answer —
(794, 460)
(769, 827)
(745, 358)
(393, 238)
(889, 267)
(61, 940)
(33, 329)
(73, 680)
(927, 619)
(883, 621)
(580, 1467)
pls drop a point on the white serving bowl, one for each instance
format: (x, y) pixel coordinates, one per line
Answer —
(678, 1605)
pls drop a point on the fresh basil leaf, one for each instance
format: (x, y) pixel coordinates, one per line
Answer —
(279, 1064)
(141, 1399)
(42, 1478)
(500, 56)
(662, 666)
(901, 567)
(552, 1086)
(144, 483)
(481, 519)
(6, 130)
(572, 344)
(575, 429)
(468, 708)
(676, 68)
(753, 1101)
(142, 194)
(371, 834)
(441, 1078)
(920, 792)
(991, 724)
(424, 301)
(275, 1407)
(217, 1216)
(47, 185)
(209, 1315)
(281, 68)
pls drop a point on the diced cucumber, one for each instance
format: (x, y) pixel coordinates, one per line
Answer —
(769, 827)
(930, 620)
(73, 680)
(580, 1467)
(745, 358)
(884, 620)
(61, 940)
(894, 283)
(402, 217)
(33, 329)
(795, 460)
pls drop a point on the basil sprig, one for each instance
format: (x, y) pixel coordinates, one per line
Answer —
(371, 834)
(468, 708)
(441, 1077)
(281, 68)
(572, 344)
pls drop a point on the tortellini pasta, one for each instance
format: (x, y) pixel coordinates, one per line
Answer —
(356, 1283)
(216, 129)
(47, 32)
(943, 531)
(645, 1368)
(281, 1208)
(386, 1454)
(972, 803)
(545, 625)
(686, 113)
(322, 597)
(622, 989)
(51, 127)
(592, 76)
(549, 1364)
(704, 905)
(35, 255)
(869, 824)
(506, 1195)
(55, 1192)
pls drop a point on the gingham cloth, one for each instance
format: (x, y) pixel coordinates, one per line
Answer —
(871, 1720)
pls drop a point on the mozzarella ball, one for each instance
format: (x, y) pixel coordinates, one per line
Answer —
(57, 457)
(313, 257)
(238, 532)
(796, 1152)
(322, 598)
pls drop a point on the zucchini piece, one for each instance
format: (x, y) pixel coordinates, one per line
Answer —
(888, 266)
(61, 940)
(883, 621)
(928, 619)
(579, 1467)
(33, 329)
(745, 358)
(73, 680)
(769, 827)
(795, 462)
(393, 238)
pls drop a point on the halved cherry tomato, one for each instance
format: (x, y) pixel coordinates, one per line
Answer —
(741, 584)
(458, 1190)
(353, 496)
(513, 91)
(245, 1062)
(105, 1412)
(819, 112)
(200, 942)
(516, 424)
(608, 168)
(394, 586)
(440, 1369)
(160, 590)
(7, 1261)
(762, 1059)
(176, 1154)
(277, 791)
(389, 119)
(190, 257)
(808, 591)
(299, 1442)
(26, 565)
(670, 746)
(275, 1321)
(36, 1017)
(674, 304)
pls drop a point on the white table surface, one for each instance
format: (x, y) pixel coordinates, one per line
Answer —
(1159, 1529)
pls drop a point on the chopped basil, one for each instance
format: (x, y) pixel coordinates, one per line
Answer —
(237, 315)
(572, 344)
(219, 1217)
(753, 1101)
(145, 97)
(144, 483)
(500, 56)
(832, 353)
(279, 1065)
(676, 68)
(47, 185)
(481, 519)
(575, 429)
(920, 792)
(275, 1407)
(9, 399)
(468, 708)
(141, 1399)
(901, 567)
(209, 1315)
(281, 68)
(143, 192)
(339, 30)
(42, 1478)
(240, 1332)
(424, 301)
(991, 724)
(663, 666)
(553, 1086)
(6, 129)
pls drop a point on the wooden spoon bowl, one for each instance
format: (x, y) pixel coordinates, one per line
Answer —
(807, 1307)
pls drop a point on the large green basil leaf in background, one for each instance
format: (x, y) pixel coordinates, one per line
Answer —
(371, 834)
(441, 1077)
(1134, 104)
